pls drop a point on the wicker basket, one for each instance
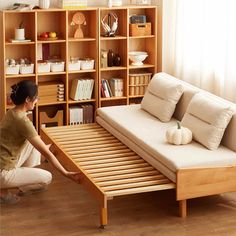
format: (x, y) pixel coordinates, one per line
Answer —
(138, 83)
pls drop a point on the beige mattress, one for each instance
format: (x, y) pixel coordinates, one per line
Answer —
(145, 134)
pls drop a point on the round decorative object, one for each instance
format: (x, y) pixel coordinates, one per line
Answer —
(78, 19)
(179, 135)
(137, 57)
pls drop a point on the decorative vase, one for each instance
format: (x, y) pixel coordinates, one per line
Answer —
(110, 58)
(44, 4)
(116, 3)
(20, 34)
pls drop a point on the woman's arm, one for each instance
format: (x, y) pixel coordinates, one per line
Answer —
(44, 150)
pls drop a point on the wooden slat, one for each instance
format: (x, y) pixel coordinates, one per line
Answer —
(97, 150)
(70, 146)
(86, 132)
(135, 185)
(113, 156)
(102, 153)
(111, 164)
(108, 160)
(126, 176)
(133, 166)
(81, 141)
(121, 172)
(140, 190)
(82, 137)
(130, 180)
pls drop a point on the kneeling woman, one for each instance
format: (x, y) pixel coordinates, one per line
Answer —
(21, 148)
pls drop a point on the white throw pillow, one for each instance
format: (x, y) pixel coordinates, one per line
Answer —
(161, 96)
(207, 118)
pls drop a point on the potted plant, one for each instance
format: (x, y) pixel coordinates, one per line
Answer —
(20, 32)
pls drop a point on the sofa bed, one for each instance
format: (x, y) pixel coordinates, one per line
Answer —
(206, 165)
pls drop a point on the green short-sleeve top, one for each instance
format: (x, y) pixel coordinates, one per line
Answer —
(15, 129)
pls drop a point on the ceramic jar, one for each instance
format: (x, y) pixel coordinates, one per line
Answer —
(44, 4)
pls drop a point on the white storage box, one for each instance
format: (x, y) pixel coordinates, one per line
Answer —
(43, 67)
(27, 69)
(12, 70)
(72, 66)
(57, 66)
(87, 64)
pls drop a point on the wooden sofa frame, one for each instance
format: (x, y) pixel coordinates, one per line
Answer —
(92, 138)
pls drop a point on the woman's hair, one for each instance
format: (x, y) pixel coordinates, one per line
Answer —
(22, 90)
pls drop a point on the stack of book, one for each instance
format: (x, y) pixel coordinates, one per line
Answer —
(113, 88)
(81, 89)
(81, 114)
(52, 91)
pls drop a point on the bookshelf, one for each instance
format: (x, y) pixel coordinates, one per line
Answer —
(66, 47)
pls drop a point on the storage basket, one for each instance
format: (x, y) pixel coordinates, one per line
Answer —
(140, 29)
(138, 83)
(27, 69)
(12, 70)
(43, 67)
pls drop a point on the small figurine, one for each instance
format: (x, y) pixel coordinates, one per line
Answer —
(78, 19)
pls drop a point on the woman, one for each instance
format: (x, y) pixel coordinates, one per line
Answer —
(21, 148)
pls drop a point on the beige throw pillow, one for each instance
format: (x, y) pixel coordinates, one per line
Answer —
(207, 118)
(161, 96)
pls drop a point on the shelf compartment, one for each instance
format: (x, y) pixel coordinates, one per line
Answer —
(89, 29)
(150, 13)
(83, 50)
(17, 51)
(122, 20)
(12, 21)
(52, 21)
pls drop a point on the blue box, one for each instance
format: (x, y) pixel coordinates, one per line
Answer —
(135, 19)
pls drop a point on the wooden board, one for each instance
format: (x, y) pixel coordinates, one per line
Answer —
(108, 167)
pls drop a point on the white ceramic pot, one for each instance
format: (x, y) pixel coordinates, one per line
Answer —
(44, 4)
(20, 34)
(137, 57)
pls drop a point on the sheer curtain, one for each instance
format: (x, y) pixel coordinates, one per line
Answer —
(199, 43)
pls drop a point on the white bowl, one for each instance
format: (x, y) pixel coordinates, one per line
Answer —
(137, 57)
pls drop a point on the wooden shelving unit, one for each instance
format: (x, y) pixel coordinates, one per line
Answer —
(66, 46)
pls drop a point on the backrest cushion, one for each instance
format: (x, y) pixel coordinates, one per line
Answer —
(162, 94)
(207, 118)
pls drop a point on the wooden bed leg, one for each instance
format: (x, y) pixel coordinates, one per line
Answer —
(103, 214)
(183, 208)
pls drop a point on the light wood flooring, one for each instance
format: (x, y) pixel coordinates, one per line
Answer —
(66, 209)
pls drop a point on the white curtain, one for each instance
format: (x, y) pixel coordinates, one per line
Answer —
(199, 43)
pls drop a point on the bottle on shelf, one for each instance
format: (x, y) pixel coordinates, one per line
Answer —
(110, 58)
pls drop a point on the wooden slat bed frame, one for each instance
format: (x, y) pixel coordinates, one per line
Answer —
(107, 166)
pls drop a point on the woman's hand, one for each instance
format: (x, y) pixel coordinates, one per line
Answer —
(75, 176)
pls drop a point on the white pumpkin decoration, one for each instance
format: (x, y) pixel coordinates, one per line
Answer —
(179, 135)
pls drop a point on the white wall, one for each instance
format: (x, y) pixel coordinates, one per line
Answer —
(6, 3)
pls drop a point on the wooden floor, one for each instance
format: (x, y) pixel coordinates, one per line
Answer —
(66, 209)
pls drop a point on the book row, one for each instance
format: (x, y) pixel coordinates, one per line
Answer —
(82, 114)
(81, 89)
(112, 87)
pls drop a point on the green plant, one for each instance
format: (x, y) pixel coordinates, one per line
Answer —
(21, 25)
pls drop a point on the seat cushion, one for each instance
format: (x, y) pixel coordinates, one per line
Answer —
(161, 97)
(207, 118)
(148, 133)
